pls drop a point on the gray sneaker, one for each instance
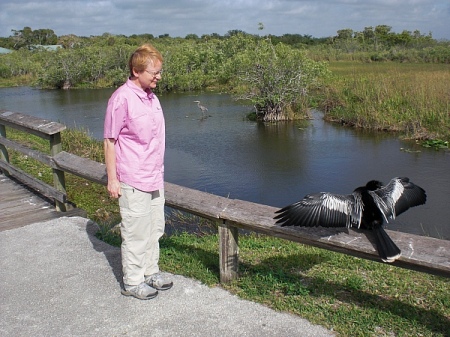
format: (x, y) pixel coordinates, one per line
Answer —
(158, 281)
(141, 291)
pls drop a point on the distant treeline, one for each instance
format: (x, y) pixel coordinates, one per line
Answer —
(378, 38)
(193, 62)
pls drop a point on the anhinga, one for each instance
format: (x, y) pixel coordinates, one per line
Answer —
(367, 208)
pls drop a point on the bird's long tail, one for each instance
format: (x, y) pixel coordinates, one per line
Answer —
(387, 249)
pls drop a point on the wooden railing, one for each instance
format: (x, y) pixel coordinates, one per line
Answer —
(425, 254)
(48, 130)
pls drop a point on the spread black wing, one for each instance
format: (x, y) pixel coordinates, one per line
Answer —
(398, 196)
(322, 209)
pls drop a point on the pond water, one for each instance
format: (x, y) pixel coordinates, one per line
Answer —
(272, 164)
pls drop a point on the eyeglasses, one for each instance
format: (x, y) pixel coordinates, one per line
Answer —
(154, 73)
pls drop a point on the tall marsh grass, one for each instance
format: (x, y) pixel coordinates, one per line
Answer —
(413, 99)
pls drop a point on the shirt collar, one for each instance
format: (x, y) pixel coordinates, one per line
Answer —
(142, 94)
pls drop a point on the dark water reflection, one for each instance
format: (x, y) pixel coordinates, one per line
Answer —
(272, 164)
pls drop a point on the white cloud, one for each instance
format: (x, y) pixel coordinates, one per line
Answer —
(181, 17)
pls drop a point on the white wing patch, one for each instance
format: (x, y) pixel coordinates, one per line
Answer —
(395, 195)
(336, 203)
(385, 209)
(357, 211)
(387, 197)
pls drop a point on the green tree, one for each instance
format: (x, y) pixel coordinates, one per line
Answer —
(345, 34)
(368, 34)
(276, 79)
(22, 37)
(191, 37)
(44, 37)
(235, 32)
(381, 33)
(27, 37)
(70, 41)
(345, 40)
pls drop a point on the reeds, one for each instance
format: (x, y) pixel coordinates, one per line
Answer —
(411, 98)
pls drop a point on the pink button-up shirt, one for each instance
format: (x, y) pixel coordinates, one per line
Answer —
(134, 118)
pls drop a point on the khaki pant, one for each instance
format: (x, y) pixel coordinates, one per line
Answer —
(142, 226)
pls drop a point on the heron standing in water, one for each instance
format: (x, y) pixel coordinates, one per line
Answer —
(201, 107)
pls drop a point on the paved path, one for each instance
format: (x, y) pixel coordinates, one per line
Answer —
(57, 279)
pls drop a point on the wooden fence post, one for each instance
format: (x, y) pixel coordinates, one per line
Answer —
(228, 252)
(59, 181)
(3, 151)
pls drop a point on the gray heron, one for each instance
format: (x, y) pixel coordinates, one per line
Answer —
(201, 107)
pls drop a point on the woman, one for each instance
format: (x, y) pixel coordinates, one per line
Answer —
(134, 144)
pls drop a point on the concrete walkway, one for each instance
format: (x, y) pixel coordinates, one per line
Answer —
(57, 279)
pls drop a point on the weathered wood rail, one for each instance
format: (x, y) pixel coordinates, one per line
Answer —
(48, 130)
(419, 253)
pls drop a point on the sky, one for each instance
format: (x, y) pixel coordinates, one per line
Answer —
(178, 18)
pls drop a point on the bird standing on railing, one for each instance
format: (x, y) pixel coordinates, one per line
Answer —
(367, 207)
(201, 107)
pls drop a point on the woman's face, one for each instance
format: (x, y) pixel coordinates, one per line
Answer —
(148, 78)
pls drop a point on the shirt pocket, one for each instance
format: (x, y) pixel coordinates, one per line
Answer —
(139, 125)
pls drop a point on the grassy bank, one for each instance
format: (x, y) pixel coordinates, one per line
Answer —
(352, 296)
(411, 98)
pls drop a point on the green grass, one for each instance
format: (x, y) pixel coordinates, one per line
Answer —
(410, 98)
(16, 81)
(351, 296)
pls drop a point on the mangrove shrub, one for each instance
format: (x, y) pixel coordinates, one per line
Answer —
(276, 79)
